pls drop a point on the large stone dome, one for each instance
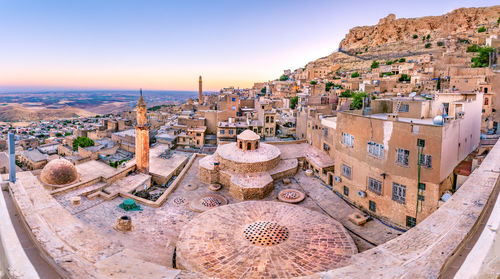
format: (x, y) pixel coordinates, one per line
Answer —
(59, 172)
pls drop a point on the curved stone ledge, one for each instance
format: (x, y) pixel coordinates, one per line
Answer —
(425, 250)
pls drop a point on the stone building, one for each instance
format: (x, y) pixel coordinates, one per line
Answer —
(33, 159)
(398, 161)
(247, 167)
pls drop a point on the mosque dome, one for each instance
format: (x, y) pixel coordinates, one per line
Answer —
(59, 172)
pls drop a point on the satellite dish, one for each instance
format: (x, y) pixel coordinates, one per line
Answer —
(412, 94)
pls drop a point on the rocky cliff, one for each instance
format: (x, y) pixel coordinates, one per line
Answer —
(391, 30)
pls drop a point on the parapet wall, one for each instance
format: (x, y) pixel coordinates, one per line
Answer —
(425, 250)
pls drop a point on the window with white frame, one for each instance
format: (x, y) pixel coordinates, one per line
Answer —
(426, 160)
(398, 192)
(403, 156)
(376, 149)
(346, 171)
(348, 139)
(404, 108)
(375, 185)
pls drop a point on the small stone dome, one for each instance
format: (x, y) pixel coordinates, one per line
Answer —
(248, 135)
(59, 172)
(248, 140)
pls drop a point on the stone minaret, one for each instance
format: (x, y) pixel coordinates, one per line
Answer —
(142, 137)
(200, 92)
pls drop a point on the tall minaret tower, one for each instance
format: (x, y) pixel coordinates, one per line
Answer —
(200, 91)
(142, 137)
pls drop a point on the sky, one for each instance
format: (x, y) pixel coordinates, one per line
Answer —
(166, 45)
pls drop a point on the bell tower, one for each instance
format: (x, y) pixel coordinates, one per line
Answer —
(142, 137)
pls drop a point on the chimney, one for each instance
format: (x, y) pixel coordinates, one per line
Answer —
(12, 159)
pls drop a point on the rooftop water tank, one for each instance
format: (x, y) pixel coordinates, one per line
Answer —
(438, 120)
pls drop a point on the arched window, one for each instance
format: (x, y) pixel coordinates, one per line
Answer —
(249, 146)
(241, 145)
(485, 101)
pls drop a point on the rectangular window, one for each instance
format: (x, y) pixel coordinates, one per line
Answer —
(420, 142)
(421, 186)
(233, 99)
(402, 157)
(376, 149)
(346, 171)
(325, 132)
(404, 108)
(421, 198)
(372, 206)
(411, 222)
(426, 161)
(348, 139)
(326, 147)
(398, 192)
(346, 191)
(375, 185)
(222, 132)
(231, 132)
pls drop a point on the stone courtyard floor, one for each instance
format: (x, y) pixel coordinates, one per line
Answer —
(156, 230)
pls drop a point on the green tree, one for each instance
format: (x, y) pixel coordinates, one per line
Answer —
(440, 43)
(483, 57)
(329, 86)
(498, 20)
(293, 102)
(428, 45)
(401, 60)
(389, 62)
(473, 48)
(313, 82)
(357, 100)
(68, 134)
(374, 64)
(438, 85)
(82, 142)
(355, 74)
(346, 94)
(415, 36)
(59, 135)
(283, 77)
(404, 77)
(263, 90)
(428, 36)
(481, 29)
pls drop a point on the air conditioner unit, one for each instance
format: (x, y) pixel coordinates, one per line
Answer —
(338, 179)
(362, 194)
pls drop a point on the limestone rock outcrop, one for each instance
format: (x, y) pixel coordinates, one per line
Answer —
(390, 29)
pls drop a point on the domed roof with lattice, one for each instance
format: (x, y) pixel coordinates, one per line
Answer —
(59, 172)
(248, 135)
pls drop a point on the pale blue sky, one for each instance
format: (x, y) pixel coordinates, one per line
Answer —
(124, 44)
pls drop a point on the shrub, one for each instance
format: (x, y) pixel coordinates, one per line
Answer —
(404, 77)
(355, 74)
(82, 142)
(401, 60)
(415, 36)
(481, 29)
(293, 102)
(59, 135)
(329, 86)
(389, 62)
(440, 43)
(473, 48)
(428, 36)
(283, 78)
(313, 82)
(428, 45)
(375, 64)
(263, 90)
(498, 20)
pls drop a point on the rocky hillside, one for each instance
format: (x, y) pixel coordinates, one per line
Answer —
(391, 30)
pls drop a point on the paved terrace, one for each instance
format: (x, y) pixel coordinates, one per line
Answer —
(87, 246)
